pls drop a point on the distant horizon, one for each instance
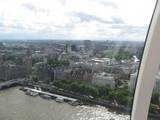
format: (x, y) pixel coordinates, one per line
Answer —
(69, 40)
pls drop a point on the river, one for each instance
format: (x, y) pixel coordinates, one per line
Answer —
(15, 105)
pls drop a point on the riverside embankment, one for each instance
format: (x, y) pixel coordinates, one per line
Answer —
(83, 99)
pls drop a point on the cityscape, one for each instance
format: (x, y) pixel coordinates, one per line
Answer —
(73, 59)
(83, 72)
(93, 72)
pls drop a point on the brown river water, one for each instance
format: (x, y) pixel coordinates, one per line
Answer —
(15, 105)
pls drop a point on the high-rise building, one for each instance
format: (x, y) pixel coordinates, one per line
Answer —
(88, 45)
(28, 61)
(74, 48)
(68, 48)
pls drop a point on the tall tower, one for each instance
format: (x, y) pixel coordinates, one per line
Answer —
(68, 48)
(28, 61)
(88, 46)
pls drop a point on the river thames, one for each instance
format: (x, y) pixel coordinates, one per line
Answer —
(15, 105)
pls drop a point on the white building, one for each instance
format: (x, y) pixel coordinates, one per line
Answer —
(100, 61)
(132, 82)
(103, 79)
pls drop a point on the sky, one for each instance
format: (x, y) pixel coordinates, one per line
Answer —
(75, 19)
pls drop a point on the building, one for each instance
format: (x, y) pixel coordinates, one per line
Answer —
(42, 72)
(67, 48)
(88, 47)
(15, 63)
(103, 79)
(132, 82)
(102, 61)
(74, 48)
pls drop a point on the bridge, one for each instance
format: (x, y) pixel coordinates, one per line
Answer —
(10, 83)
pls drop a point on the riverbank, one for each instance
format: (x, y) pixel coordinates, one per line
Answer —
(110, 109)
(83, 100)
(15, 105)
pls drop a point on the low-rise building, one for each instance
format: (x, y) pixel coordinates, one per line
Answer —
(103, 79)
(132, 82)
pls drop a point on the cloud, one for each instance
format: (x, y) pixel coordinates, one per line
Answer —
(33, 8)
(87, 18)
(131, 32)
(30, 7)
(84, 17)
(75, 19)
(117, 20)
(107, 3)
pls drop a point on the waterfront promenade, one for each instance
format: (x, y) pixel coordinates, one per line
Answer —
(52, 91)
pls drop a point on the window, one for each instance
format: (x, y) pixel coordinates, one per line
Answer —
(71, 59)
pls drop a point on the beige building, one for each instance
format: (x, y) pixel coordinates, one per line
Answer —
(132, 82)
(103, 79)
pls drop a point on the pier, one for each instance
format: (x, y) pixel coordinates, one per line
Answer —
(52, 94)
(60, 94)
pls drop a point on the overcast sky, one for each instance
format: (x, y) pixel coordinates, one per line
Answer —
(75, 19)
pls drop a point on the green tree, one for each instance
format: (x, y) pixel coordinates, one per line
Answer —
(155, 98)
(112, 95)
(122, 55)
(122, 95)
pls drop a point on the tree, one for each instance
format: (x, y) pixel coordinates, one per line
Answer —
(122, 55)
(35, 78)
(112, 95)
(103, 90)
(122, 95)
(155, 98)
(153, 108)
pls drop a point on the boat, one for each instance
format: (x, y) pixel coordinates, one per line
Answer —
(59, 100)
(44, 96)
(22, 89)
(31, 93)
(73, 103)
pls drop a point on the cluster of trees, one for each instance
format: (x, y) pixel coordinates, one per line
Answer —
(121, 54)
(77, 86)
(121, 95)
(56, 62)
(155, 98)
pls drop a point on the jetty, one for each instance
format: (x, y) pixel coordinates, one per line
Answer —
(51, 94)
